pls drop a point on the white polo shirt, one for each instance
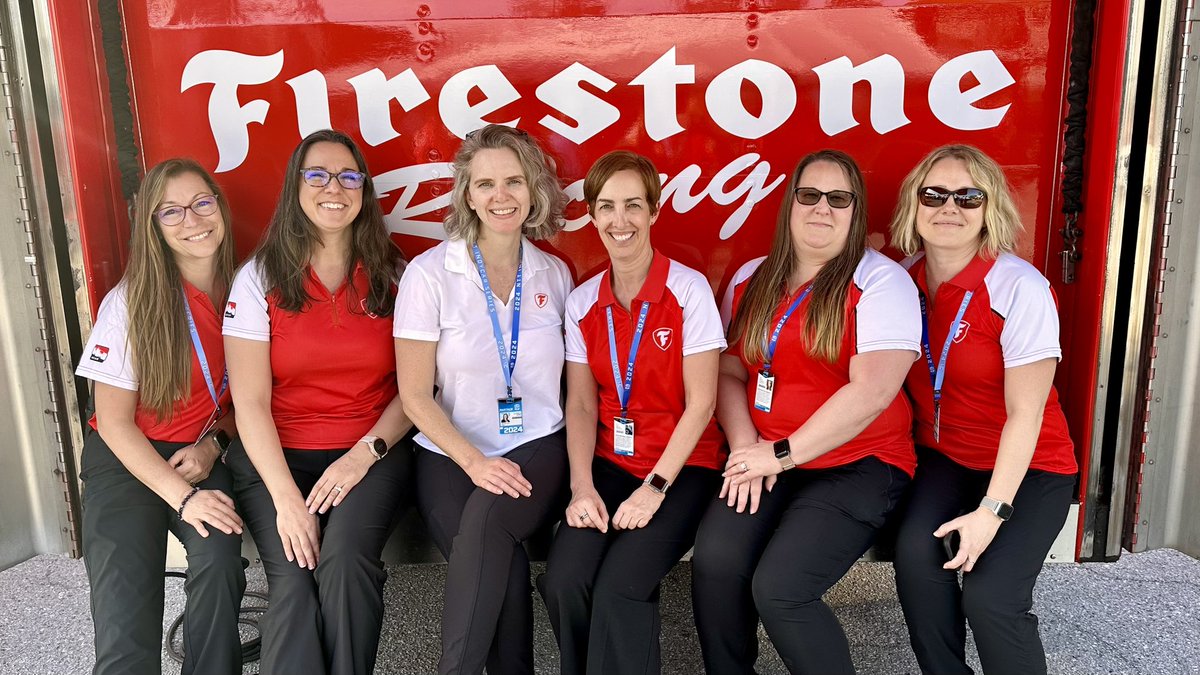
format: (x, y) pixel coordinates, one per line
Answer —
(441, 300)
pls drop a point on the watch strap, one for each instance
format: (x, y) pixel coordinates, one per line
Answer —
(1003, 510)
(783, 453)
(376, 445)
(657, 483)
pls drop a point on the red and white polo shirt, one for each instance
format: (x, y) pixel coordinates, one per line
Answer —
(108, 358)
(682, 320)
(1012, 321)
(882, 312)
(333, 365)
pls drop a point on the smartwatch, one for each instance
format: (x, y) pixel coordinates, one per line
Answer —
(222, 441)
(783, 453)
(657, 483)
(377, 446)
(1002, 510)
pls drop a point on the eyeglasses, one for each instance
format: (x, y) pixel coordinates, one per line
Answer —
(838, 199)
(966, 198)
(319, 178)
(204, 205)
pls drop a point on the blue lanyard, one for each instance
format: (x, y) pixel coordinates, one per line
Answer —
(774, 341)
(623, 388)
(212, 390)
(938, 375)
(510, 364)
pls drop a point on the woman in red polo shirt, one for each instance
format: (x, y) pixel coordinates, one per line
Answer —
(824, 330)
(996, 467)
(151, 464)
(320, 475)
(643, 339)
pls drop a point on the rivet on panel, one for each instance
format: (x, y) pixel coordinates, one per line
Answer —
(752, 41)
(425, 50)
(1150, 462)
(1187, 130)
(1179, 201)
(434, 155)
(1171, 268)
(752, 21)
(424, 27)
(423, 11)
(435, 190)
(1164, 335)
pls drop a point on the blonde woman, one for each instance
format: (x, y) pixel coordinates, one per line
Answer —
(480, 316)
(996, 467)
(163, 418)
(823, 332)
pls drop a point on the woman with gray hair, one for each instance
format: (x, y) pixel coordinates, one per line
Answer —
(480, 316)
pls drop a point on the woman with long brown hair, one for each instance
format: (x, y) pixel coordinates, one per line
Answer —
(319, 473)
(150, 461)
(824, 330)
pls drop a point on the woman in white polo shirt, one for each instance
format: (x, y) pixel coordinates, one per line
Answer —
(480, 317)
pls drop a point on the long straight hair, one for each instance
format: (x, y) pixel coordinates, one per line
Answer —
(825, 322)
(158, 335)
(290, 239)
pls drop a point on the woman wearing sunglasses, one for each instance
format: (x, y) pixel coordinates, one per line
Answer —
(996, 467)
(480, 316)
(643, 339)
(320, 475)
(151, 463)
(823, 332)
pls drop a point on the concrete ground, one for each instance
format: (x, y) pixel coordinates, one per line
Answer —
(1138, 615)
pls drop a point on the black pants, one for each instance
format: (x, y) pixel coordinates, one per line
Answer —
(777, 563)
(325, 620)
(488, 614)
(125, 550)
(997, 595)
(601, 590)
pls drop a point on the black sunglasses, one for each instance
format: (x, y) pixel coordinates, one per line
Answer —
(966, 198)
(838, 199)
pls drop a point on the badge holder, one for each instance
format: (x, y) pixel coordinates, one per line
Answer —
(512, 416)
(764, 390)
(623, 435)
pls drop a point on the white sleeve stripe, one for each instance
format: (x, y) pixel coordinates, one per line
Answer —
(257, 336)
(408, 334)
(106, 378)
(710, 345)
(577, 358)
(1026, 359)
(883, 345)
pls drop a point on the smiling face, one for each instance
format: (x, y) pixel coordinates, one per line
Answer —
(949, 228)
(333, 208)
(819, 232)
(623, 217)
(197, 237)
(498, 192)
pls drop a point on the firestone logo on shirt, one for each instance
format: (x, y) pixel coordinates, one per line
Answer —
(540, 299)
(962, 332)
(99, 353)
(230, 310)
(662, 338)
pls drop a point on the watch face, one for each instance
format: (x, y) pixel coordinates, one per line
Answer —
(380, 446)
(782, 448)
(222, 439)
(657, 482)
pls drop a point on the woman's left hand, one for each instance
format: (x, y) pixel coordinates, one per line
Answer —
(975, 531)
(751, 461)
(341, 477)
(194, 462)
(637, 510)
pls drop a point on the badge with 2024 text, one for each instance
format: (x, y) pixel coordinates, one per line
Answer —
(512, 417)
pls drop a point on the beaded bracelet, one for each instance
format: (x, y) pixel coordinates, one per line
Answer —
(185, 500)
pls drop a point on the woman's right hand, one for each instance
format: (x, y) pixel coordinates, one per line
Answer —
(750, 492)
(215, 508)
(299, 532)
(587, 510)
(499, 476)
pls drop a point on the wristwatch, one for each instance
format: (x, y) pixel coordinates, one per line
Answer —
(222, 441)
(1002, 510)
(377, 446)
(657, 483)
(783, 453)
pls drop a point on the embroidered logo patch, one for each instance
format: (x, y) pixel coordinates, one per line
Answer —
(230, 310)
(540, 299)
(99, 353)
(662, 338)
(963, 327)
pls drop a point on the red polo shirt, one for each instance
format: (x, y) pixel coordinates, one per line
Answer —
(1012, 320)
(108, 358)
(682, 320)
(333, 365)
(882, 313)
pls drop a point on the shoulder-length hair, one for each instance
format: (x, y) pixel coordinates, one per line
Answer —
(825, 321)
(158, 335)
(615, 162)
(290, 239)
(1001, 221)
(546, 196)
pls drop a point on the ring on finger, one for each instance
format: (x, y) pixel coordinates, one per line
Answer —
(337, 488)
(584, 516)
(744, 467)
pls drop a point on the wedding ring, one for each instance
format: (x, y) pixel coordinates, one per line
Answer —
(337, 488)
(583, 516)
(744, 467)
